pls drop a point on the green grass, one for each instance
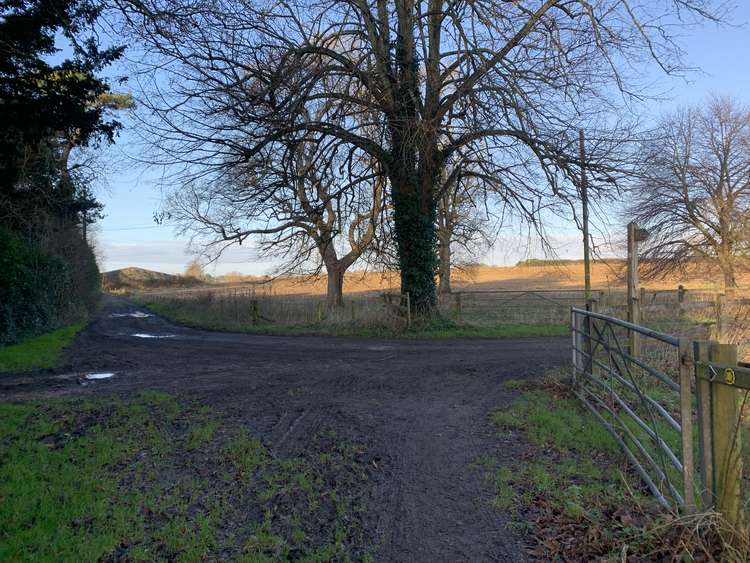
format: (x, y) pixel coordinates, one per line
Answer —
(439, 328)
(576, 486)
(562, 424)
(39, 352)
(571, 438)
(573, 476)
(149, 478)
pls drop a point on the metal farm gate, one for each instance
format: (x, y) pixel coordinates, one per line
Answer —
(652, 401)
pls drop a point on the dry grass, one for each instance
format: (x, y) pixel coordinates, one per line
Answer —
(243, 308)
(488, 296)
(606, 276)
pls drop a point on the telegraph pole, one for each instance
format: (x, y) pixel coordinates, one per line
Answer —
(585, 206)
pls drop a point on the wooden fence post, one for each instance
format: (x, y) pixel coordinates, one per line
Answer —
(687, 365)
(254, 310)
(726, 440)
(681, 300)
(703, 399)
(458, 307)
(719, 312)
(408, 310)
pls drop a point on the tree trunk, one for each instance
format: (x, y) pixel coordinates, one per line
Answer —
(730, 281)
(414, 227)
(727, 269)
(444, 273)
(335, 290)
(413, 152)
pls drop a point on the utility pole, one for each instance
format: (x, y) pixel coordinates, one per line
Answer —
(585, 210)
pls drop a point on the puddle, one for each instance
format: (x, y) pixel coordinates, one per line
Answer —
(144, 335)
(136, 315)
(99, 375)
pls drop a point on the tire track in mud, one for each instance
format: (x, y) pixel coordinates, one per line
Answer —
(421, 406)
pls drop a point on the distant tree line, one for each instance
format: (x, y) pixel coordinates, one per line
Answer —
(50, 112)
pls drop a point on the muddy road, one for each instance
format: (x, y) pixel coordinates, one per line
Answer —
(422, 404)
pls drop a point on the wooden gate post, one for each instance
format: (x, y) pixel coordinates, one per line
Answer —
(687, 365)
(703, 399)
(727, 455)
(719, 431)
(579, 361)
(573, 344)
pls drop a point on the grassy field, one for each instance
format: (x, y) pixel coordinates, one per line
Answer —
(576, 496)
(304, 316)
(39, 352)
(469, 313)
(604, 275)
(149, 477)
(486, 301)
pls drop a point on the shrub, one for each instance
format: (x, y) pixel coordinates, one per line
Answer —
(44, 288)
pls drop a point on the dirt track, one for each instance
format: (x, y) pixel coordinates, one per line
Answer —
(423, 404)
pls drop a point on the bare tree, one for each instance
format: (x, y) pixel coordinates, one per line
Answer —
(465, 223)
(438, 76)
(194, 269)
(296, 204)
(693, 194)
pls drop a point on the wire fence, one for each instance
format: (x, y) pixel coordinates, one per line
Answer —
(237, 308)
(531, 306)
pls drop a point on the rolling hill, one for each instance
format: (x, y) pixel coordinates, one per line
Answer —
(139, 278)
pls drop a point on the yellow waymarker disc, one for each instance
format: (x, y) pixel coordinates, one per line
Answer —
(729, 376)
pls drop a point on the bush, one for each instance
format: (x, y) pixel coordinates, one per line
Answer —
(44, 288)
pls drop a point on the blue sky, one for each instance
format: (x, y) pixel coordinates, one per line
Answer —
(128, 236)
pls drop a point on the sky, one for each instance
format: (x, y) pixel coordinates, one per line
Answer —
(128, 235)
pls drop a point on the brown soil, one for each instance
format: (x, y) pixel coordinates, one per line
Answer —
(421, 405)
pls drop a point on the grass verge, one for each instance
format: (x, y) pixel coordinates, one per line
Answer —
(575, 494)
(149, 478)
(441, 328)
(39, 352)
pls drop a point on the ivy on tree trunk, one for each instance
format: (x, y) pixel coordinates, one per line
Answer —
(416, 238)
